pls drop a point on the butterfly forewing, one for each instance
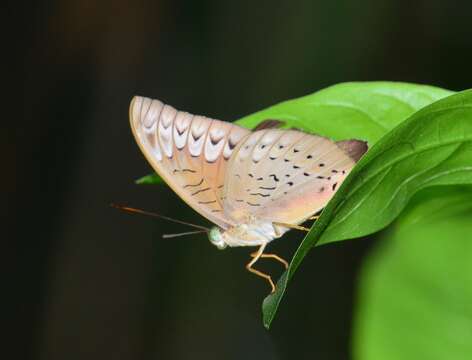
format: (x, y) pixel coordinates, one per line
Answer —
(189, 152)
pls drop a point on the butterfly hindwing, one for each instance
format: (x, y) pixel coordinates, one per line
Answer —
(286, 175)
(189, 152)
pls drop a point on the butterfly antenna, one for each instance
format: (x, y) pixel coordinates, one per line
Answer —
(143, 212)
(168, 236)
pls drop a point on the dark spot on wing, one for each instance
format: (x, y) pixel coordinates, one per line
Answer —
(295, 150)
(260, 194)
(250, 175)
(321, 164)
(290, 183)
(213, 141)
(296, 167)
(200, 191)
(286, 160)
(252, 204)
(197, 137)
(193, 185)
(260, 179)
(207, 202)
(334, 186)
(306, 174)
(231, 145)
(272, 158)
(267, 188)
(309, 156)
(274, 176)
(320, 177)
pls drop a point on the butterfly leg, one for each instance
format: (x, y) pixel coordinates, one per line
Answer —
(256, 257)
(291, 226)
(272, 256)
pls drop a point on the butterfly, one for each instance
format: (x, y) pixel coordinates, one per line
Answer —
(253, 185)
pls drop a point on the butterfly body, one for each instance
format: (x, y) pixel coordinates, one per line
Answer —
(254, 232)
(253, 185)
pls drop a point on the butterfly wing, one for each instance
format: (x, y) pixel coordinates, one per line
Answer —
(189, 152)
(286, 175)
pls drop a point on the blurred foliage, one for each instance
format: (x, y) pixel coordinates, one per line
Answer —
(415, 295)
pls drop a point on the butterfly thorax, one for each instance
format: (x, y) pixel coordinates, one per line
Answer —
(254, 232)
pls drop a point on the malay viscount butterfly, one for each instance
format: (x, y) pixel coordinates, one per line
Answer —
(253, 185)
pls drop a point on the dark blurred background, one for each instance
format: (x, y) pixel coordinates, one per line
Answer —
(85, 281)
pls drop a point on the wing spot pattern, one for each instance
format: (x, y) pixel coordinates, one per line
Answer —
(200, 191)
(194, 185)
(252, 204)
(260, 194)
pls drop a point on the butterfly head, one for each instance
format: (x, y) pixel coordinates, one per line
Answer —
(216, 238)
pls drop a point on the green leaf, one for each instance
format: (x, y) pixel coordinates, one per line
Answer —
(381, 185)
(415, 296)
(151, 179)
(351, 110)
(432, 147)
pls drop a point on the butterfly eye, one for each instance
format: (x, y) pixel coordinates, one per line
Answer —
(216, 238)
